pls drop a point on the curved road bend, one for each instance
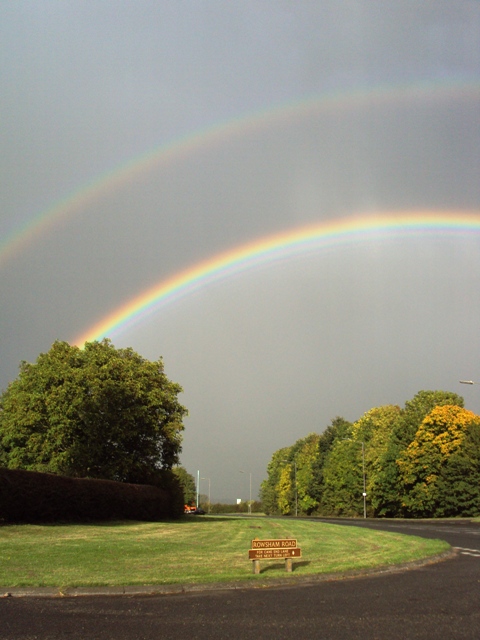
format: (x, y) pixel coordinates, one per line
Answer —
(440, 600)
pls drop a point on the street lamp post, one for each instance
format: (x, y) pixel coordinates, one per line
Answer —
(296, 488)
(250, 501)
(208, 492)
(198, 487)
(364, 478)
(364, 483)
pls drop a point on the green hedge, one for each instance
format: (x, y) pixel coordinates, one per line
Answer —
(29, 496)
(219, 507)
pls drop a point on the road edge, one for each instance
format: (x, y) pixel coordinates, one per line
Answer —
(179, 589)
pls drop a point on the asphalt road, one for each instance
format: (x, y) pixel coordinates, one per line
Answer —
(439, 600)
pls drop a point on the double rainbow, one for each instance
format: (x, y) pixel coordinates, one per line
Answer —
(266, 249)
(219, 133)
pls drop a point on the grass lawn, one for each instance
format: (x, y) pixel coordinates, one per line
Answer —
(193, 550)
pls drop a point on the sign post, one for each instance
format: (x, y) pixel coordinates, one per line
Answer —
(274, 550)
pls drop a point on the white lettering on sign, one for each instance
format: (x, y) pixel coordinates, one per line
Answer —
(273, 554)
(274, 544)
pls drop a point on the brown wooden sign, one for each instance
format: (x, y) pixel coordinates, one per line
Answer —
(274, 549)
(274, 553)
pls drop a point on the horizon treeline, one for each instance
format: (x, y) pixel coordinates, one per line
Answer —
(422, 460)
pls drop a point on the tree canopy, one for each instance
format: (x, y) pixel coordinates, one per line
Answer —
(421, 461)
(187, 483)
(426, 459)
(387, 496)
(96, 412)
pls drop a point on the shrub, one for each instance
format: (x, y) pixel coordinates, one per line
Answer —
(29, 497)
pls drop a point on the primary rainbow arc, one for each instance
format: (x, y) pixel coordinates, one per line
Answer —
(273, 247)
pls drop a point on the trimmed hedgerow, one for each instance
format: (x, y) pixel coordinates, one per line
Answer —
(29, 497)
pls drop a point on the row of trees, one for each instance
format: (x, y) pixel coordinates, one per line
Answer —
(422, 460)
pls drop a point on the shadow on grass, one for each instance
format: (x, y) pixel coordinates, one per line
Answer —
(281, 566)
(183, 520)
(206, 519)
(213, 517)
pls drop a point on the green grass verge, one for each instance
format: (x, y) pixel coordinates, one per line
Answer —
(191, 551)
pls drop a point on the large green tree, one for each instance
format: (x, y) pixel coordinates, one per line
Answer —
(297, 476)
(339, 429)
(276, 477)
(458, 482)
(353, 460)
(295, 480)
(286, 490)
(342, 480)
(97, 412)
(374, 430)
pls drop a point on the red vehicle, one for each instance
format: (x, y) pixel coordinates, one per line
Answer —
(193, 510)
(189, 508)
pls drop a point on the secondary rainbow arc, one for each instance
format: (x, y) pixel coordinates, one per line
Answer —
(218, 132)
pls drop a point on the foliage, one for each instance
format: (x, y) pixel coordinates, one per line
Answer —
(285, 490)
(353, 460)
(387, 489)
(305, 456)
(459, 478)
(420, 406)
(343, 484)
(427, 459)
(96, 412)
(375, 429)
(295, 474)
(339, 429)
(417, 461)
(29, 496)
(242, 507)
(269, 487)
(187, 483)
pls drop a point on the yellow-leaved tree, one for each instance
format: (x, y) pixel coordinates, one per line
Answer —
(424, 463)
(285, 489)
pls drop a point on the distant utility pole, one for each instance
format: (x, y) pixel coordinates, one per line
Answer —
(364, 479)
(250, 501)
(364, 483)
(198, 486)
(208, 492)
